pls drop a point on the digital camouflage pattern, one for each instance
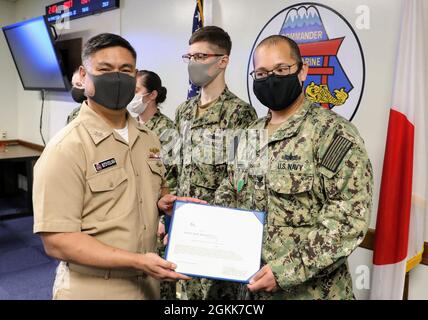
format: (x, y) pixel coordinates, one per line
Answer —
(203, 166)
(73, 115)
(160, 124)
(316, 184)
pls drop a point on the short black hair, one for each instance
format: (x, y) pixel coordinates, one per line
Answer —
(103, 41)
(294, 47)
(213, 35)
(152, 82)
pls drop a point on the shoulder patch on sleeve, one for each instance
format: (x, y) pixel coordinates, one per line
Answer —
(335, 153)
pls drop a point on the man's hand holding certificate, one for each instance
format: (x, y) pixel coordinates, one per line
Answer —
(215, 242)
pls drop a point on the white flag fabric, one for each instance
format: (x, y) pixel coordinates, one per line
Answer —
(400, 223)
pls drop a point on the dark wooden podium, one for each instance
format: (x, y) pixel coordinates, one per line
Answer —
(17, 160)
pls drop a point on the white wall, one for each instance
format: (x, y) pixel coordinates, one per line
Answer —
(8, 79)
(419, 283)
(425, 14)
(160, 30)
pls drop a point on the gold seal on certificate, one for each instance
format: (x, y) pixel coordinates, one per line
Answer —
(215, 242)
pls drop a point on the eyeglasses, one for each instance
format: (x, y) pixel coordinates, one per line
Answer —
(281, 70)
(198, 57)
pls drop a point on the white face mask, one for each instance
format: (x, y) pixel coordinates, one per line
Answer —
(137, 105)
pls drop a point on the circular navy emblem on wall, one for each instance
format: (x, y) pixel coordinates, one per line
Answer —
(331, 48)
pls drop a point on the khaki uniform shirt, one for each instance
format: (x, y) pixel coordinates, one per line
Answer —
(317, 193)
(90, 180)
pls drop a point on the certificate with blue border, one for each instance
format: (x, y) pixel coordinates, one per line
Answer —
(215, 242)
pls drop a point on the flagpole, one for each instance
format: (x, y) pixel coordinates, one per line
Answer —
(406, 286)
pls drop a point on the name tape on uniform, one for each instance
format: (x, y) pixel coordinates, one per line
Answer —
(105, 164)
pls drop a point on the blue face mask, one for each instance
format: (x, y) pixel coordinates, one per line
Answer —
(113, 90)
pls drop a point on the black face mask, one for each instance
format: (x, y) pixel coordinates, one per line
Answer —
(78, 95)
(278, 92)
(113, 90)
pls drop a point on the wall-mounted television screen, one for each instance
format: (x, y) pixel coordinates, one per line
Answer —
(37, 61)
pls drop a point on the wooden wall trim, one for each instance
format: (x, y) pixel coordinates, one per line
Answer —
(9, 141)
(30, 145)
(27, 144)
(368, 243)
(425, 256)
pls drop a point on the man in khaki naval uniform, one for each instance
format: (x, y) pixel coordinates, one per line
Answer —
(97, 186)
